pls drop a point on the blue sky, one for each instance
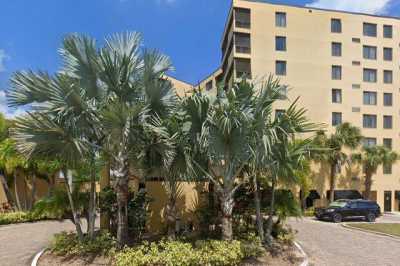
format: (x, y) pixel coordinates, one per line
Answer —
(189, 31)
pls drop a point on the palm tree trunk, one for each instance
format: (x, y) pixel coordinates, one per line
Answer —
(122, 190)
(332, 183)
(368, 185)
(92, 200)
(227, 202)
(104, 183)
(73, 210)
(33, 192)
(259, 218)
(16, 191)
(171, 216)
(7, 190)
(268, 232)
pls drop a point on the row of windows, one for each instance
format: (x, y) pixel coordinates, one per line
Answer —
(369, 97)
(369, 121)
(369, 75)
(369, 29)
(369, 52)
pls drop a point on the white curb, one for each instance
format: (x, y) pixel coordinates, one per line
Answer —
(36, 258)
(305, 261)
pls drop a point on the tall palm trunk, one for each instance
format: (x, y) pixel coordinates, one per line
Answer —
(259, 218)
(171, 216)
(105, 183)
(33, 192)
(16, 190)
(368, 185)
(92, 199)
(268, 232)
(332, 184)
(7, 190)
(227, 203)
(121, 174)
(75, 216)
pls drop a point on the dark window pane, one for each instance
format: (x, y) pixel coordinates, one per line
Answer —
(388, 76)
(369, 75)
(388, 143)
(336, 95)
(280, 68)
(369, 98)
(387, 31)
(387, 54)
(336, 25)
(336, 49)
(370, 30)
(336, 119)
(387, 99)
(336, 72)
(280, 43)
(280, 19)
(369, 52)
(242, 18)
(387, 122)
(369, 142)
(369, 121)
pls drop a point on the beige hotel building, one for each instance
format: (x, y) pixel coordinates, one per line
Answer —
(344, 67)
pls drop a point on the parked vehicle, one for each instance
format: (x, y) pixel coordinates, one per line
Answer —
(339, 210)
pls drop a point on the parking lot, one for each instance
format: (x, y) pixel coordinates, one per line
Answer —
(328, 243)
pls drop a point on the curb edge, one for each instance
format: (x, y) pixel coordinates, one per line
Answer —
(347, 226)
(37, 256)
(298, 246)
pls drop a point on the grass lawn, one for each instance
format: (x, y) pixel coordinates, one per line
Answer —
(391, 229)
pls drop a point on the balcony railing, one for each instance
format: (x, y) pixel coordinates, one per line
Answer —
(243, 49)
(242, 24)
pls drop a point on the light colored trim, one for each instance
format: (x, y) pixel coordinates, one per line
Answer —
(349, 227)
(305, 261)
(37, 256)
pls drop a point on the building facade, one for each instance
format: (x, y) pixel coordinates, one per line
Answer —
(344, 67)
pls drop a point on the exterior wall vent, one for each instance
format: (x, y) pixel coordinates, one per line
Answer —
(356, 109)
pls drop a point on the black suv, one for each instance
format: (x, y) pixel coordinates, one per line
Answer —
(345, 209)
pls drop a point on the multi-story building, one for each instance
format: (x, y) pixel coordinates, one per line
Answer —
(344, 67)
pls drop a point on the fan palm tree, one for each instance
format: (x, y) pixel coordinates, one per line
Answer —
(97, 103)
(371, 158)
(345, 136)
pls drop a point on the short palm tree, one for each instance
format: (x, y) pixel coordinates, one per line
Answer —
(345, 136)
(371, 158)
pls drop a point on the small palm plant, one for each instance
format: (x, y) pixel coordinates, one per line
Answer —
(371, 158)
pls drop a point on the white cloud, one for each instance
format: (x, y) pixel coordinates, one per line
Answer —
(3, 58)
(9, 112)
(363, 6)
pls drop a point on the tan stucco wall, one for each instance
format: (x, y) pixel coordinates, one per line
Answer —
(182, 88)
(309, 62)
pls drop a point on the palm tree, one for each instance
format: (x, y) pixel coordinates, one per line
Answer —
(371, 158)
(98, 103)
(345, 136)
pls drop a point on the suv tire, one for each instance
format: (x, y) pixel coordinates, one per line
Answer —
(337, 218)
(370, 217)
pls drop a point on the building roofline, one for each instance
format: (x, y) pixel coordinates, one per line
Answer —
(171, 76)
(322, 9)
(210, 75)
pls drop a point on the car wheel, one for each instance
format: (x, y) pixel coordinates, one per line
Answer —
(370, 217)
(337, 218)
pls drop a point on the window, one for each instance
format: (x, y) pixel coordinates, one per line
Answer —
(279, 113)
(336, 49)
(356, 63)
(387, 122)
(387, 99)
(336, 118)
(336, 72)
(242, 18)
(369, 121)
(369, 75)
(370, 30)
(242, 43)
(280, 68)
(387, 54)
(388, 143)
(336, 25)
(369, 142)
(387, 168)
(280, 19)
(369, 98)
(280, 43)
(209, 85)
(388, 31)
(283, 91)
(388, 76)
(369, 52)
(336, 95)
(243, 68)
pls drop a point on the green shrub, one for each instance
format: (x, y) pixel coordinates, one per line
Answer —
(69, 244)
(309, 212)
(251, 246)
(20, 217)
(178, 253)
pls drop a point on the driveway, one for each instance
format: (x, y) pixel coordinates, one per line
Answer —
(331, 244)
(20, 242)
